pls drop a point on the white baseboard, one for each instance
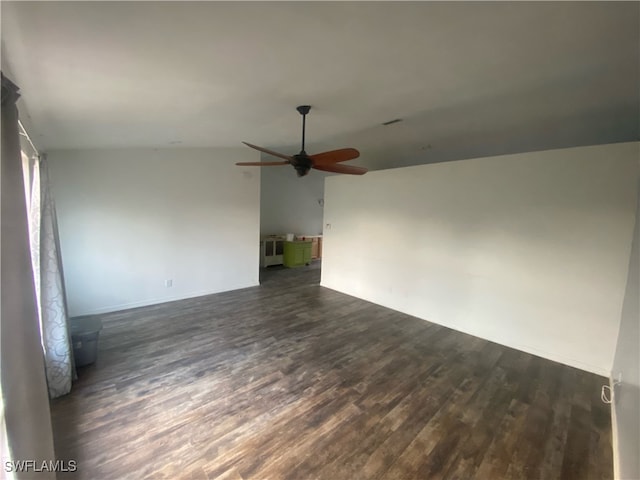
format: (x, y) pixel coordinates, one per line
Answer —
(156, 301)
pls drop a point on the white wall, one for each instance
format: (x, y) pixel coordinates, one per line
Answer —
(626, 408)
(528, 250)
(289, 204)
(131, 219)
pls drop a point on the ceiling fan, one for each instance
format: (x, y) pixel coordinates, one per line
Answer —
(302, 162)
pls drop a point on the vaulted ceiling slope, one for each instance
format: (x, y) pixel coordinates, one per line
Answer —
(468, 79)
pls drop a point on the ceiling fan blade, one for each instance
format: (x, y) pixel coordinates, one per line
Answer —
(261, 164)
(350, 169)
(270, 152)
(335, 156)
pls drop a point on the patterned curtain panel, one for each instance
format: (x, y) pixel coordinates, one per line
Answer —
(50, 292)
(24, 392)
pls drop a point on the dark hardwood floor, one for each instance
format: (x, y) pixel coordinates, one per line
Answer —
(292, 380)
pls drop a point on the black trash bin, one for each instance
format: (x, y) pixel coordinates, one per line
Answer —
(84, 337)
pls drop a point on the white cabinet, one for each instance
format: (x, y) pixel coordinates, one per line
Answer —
(271, 250)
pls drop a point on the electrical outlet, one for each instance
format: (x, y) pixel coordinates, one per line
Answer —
(168, 283)
(619, 379)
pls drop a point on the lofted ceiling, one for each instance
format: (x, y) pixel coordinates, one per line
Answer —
(468, 79)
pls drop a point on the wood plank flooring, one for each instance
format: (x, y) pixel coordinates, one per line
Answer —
(290, 380)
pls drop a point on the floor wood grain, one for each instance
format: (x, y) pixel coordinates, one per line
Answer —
(291, 380)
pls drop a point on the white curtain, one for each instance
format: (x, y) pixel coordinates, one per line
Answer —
(23, 387)
(50, 294)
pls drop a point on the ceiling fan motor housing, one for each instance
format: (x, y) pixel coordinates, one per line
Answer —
(302, 163)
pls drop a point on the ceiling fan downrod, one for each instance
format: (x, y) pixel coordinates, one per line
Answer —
(303, 109)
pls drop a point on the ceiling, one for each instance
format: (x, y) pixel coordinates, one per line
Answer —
(469, 79)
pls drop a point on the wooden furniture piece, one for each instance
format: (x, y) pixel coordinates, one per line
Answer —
(316, 246)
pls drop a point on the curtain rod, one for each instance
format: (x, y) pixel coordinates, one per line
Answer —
(24, 133)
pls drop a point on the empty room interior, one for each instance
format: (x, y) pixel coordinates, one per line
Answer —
(445, 285)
